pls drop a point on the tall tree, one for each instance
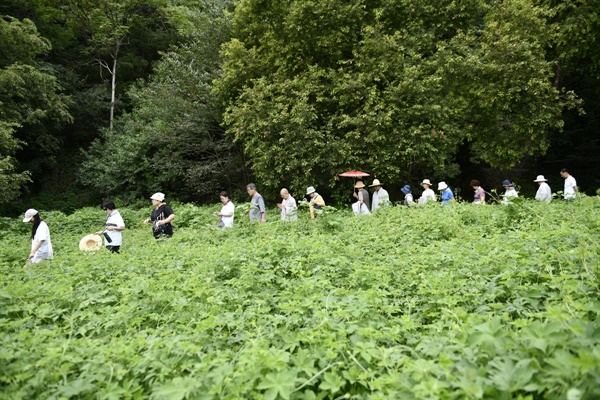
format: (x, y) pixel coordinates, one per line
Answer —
(30, 97)
(171, 140)
(312, 88)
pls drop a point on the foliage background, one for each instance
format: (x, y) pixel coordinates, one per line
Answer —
(454, 302)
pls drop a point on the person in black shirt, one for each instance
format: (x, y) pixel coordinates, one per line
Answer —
(161, 217)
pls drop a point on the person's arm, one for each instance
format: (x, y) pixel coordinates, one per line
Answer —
(360, 197)
(35, 249)
(166, 220)
(147, 221)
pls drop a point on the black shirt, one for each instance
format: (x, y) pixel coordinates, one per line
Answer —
(160, 214)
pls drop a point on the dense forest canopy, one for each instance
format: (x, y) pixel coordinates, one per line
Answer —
(190, 97)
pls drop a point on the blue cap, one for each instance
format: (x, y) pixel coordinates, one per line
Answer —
(406, 189)
(507, 183)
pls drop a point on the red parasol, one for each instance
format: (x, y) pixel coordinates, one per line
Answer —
(354, 174)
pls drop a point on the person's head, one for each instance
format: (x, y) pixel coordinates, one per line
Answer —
(108, 205)
(475, 184)
(285, 194)
(564, 173)
(507, 184)
(157, 198)
(311, 191)
(442, 186)
(376, 184)
(224, 196)
(540, 179)
(426, 184)
(33, 217)
(359, 185)
(251, 189)
(406, 189)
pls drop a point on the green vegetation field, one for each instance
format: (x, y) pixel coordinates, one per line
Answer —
(461, 302)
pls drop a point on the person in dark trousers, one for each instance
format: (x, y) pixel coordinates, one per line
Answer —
(113, 239)
(161, 217)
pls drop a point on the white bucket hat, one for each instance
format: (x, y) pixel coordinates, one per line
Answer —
(540, 178)
(90, 243)
(158, 196)
(29, 214)
(310, 190)
(375, 183)
(442, 186)
(426, 182)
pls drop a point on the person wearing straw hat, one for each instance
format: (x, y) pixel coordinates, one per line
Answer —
(510, 192)
(161, 217)
(479, 197)
(380, 195)
(316, 201)
(408, 197)
(361, 194)
(544, 193)
(428, 194)
(447, 194)
(113, 239)
(41, 246)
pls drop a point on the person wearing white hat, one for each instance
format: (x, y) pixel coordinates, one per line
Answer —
(380, 195)
(161, 217)
(544, 193)
(41, 246)
(447, 194)
(428, 194)
(316, 200)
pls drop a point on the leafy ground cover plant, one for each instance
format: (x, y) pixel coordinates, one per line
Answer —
(450, 303)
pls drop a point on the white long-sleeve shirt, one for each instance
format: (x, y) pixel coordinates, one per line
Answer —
(544, 193)
(379, 198)
(428, 195)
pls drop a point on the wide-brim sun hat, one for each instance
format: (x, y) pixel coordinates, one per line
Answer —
(406, 189)
(310, 190)
(90, 243)
(426, 182)
(29, 214)
(442, 186)
(507, 183)
(158, 196)
(359, 185)
(540, 178)
(375, 183)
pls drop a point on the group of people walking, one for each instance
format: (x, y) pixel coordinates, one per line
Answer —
(162, 214)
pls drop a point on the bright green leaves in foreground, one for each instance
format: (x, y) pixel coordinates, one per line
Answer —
(314, 88)
(460, 302)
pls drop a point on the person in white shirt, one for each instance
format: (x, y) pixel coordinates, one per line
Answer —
(41, 246)
(544, 193)
(113, 239)
(227, 211)
(408, 197)
(288, 206)
(510, 192)
(571, 189)
(380, 195)
(428, 194)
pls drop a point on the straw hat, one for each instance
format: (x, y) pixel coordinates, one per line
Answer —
(540, 178)
(359, 185)
(375, 183)
(310, 190)
(442, 186)
(29, 214)
(426, 182)
(158, 196)
(90, 243)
